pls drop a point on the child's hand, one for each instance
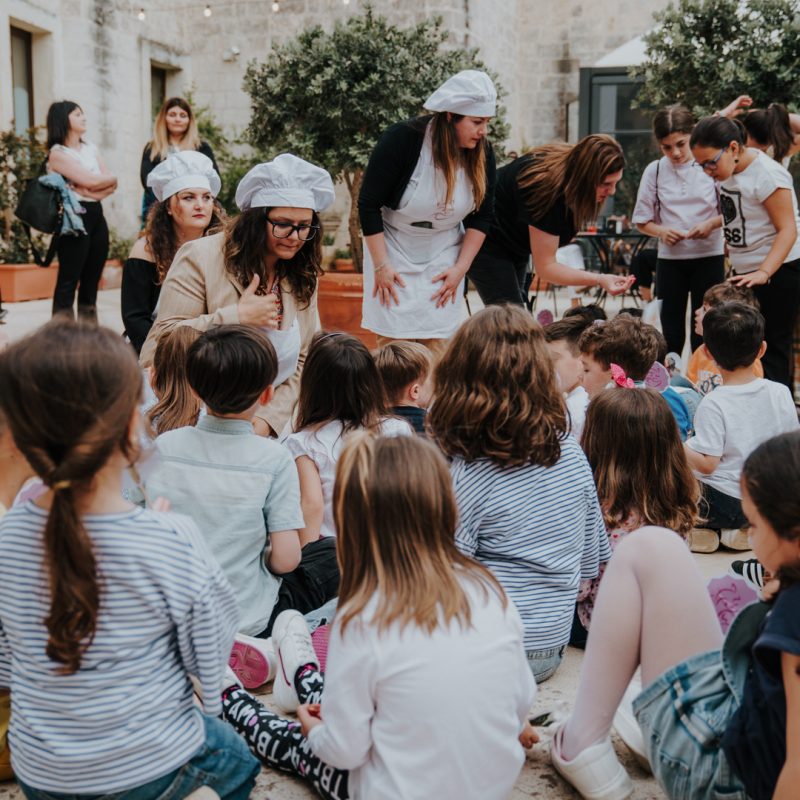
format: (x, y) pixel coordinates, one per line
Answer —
(701, 231)
(771, 588)
(528, 737)
(741, 103)
(309, 716)
(671, 236)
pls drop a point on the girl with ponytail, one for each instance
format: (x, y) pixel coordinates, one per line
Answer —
(772, 129)
(105, 608)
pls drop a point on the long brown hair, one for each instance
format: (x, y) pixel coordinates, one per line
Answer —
(396, 517)
(159, 145)
(576, 170)
(69, 392)
(177, 405)
(771, 127)
(448, 157)
(161, 238)
(634, 449)
(495, 393)
(246, 244)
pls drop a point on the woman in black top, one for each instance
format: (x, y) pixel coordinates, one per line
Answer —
(184, 186)
(174, 130)
(542, 199)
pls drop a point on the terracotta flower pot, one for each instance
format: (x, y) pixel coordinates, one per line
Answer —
(339, 300)
(19, 282)
(343, 265)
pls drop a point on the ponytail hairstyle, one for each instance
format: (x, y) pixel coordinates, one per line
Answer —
(672, 119)
(69, 393)
(574, 170)
(770, 128)
(177, 404)
(771, 476)
(718, 132)
(448, 157)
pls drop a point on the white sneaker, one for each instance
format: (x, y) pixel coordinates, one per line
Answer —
(231, 679)
(293, 645)
(253, 660)
(628, 728)
(735, 538)
(703, 540)
(595, 772)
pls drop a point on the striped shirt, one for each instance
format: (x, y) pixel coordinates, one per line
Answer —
(126, 716)
(539, 530)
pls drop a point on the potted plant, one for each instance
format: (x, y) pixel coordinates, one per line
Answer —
(328, 96)
(328, 250)
(343, 260)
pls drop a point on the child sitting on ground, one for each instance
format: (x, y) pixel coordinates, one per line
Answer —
(641, 473)
(732, 421)
(177, 405)
(422, 633)
(405, 369)
(240, 488)
(527, 503)
(340, 392)
(562, 339)
(633, 346)
(701, 369)
(105, 608)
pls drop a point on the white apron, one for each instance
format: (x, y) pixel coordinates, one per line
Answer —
(287, 347)
(418, 253)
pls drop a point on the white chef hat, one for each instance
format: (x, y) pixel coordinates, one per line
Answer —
(186, 169)
(470, 92)
(285, 181)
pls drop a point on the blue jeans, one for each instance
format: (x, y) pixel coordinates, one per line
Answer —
(224, 763)
(544, 663)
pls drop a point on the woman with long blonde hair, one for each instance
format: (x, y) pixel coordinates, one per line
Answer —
(419, 629)
(425, 207)
(174, 130)
(542, 199)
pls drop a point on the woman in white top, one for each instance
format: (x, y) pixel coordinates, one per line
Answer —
(759, 210)
(81, 258)
(678, 204)
(425, 207)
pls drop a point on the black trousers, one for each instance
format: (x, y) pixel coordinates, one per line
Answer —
(311, 585)
(676, 281)
(80, 264)
(499, 280)
(720, 510)
(779, 300)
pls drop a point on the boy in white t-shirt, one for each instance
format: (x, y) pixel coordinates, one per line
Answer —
(732, 421)
(562, 342)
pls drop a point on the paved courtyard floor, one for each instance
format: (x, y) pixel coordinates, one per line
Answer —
(538, 779)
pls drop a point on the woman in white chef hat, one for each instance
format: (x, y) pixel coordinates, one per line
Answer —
(185, 185)
(425, 206)
(261, 270)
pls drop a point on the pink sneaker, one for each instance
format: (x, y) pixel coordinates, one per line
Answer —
(252, 660)
(320, 641)
(729, 596)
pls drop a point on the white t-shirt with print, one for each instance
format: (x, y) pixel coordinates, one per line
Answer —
(749, 231)
(323, 445)
(732, 421)
(577, 402)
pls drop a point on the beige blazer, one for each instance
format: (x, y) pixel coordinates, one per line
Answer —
(199, 292)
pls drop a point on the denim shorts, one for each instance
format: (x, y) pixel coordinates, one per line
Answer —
(683, 716)
(544, 663)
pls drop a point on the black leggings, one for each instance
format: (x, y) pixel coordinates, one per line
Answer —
(499, 280)
(80, 261)
(676, 280)
(279, 742)
(779, 300)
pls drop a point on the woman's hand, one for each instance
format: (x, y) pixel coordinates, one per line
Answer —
(309, 716)
(257, 310)
(616, 284)
(385, 280)
(671, 236)
(750, 279)
(451, 280)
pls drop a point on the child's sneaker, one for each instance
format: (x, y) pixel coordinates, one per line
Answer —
(752, 571)
(735, 538)
(253, 660)
(295, 650)
(703, 540)
(729, 596)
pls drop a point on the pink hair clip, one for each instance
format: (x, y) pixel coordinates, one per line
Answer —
(620, 378)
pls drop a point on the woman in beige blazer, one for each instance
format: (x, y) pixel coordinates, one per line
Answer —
(261, 270)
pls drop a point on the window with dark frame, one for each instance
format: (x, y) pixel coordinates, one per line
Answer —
(22, 79)
(158, 88)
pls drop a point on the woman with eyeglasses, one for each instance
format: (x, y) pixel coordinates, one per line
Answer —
(677, 204)
(261, 270)
(760, 218)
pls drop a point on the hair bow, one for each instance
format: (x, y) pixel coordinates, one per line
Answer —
(620, 378)
(657, 378)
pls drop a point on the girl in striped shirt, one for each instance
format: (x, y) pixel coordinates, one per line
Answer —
(105, 608)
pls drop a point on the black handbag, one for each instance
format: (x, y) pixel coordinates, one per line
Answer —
(39, 207)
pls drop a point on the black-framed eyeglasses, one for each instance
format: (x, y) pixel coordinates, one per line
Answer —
(712, 164)
(283, 230)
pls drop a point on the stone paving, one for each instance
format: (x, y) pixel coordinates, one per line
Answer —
(538, 779)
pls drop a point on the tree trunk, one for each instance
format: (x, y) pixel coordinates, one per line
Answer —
(353, 180)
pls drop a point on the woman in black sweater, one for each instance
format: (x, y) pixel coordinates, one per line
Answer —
(184, 187)
(425, 207)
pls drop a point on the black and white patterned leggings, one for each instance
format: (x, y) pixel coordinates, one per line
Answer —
(279, 742)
